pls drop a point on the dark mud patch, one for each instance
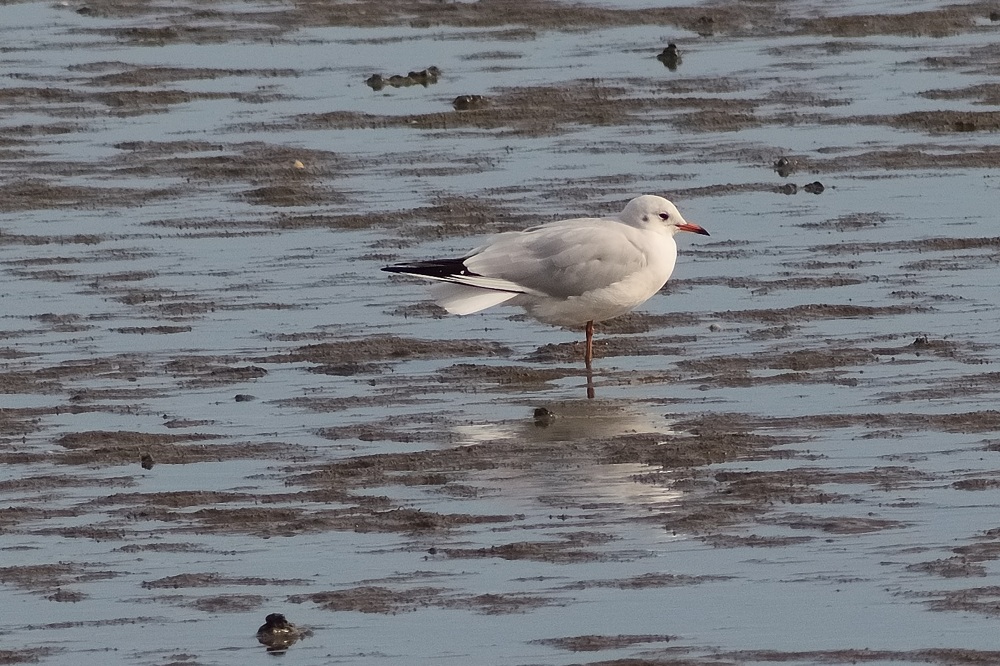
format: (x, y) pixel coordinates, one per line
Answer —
(443, 217)
(937, 122)
(980, 600)
(654, 345)
(122, 74)
(941, 22)
(53, 581)
(752, 540)
(547, 111)
(49, 482)
(231, 26)
(950, 389)
(215, 580)
(370, 514)
(677, 458)
(201, 371)
(817, 312)
(101, 448)
(456, 215)
(476, 20)
(759, 287)
(644, 581)
(24, 195)
(505, 603)
(272, 175)
(836, 525)
(229, 603)
(923, 345)
(793, 486)
(436, 428)
(26, 656)
(287, 195)
(596, 643)
(174, 306)
(848, 223)
(912, 157)
(984, 550)
(378, 599)
(110, 622)
(393, 398)
(509, 377)
(124, 368)
(170, 547)
(984, 93)
(976, 484)
(800, 364)
(176, 499)
(126, 393)
(950, 567)
(384, 349)
(962, 422)
(556, 109)
(740, 497)
(641, 322)
(651, 449)
(557, 16)
(564, 551)
(944, 656)
(123, 102)
(882, 477)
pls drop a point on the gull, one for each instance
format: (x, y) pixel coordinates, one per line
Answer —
(566, 273)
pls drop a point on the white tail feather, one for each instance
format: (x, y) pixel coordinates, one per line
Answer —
(462, 300)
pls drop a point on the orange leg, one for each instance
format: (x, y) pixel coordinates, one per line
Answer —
(588, 355)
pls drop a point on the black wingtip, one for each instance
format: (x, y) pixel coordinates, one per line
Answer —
(440, 269)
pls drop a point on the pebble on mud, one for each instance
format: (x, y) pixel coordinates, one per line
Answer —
(670, 57)
(424, 77)
(543, 417)
(784, 166)
(278, 634)
(814, 187)
(469, 102)
(244, 397)
(147, 461)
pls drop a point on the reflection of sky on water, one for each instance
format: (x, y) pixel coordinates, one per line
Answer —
(563, 480)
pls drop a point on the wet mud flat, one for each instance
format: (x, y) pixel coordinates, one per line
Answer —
(213, 407)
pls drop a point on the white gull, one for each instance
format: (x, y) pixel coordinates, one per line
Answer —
(567, 273)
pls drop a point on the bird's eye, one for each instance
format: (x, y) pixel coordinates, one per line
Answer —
(664, 216)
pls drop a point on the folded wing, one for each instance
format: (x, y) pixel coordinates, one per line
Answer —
(561, 260)
(558, 260)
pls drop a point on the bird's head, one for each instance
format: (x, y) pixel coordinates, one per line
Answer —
(649, 210)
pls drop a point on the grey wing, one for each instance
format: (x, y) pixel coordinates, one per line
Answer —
(561, 260)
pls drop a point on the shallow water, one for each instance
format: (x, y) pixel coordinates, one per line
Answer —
(792, 453)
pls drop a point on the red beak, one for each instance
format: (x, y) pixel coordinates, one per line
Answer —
(693, 228)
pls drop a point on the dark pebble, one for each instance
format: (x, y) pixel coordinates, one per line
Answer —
(543, 417)
(467, 102)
